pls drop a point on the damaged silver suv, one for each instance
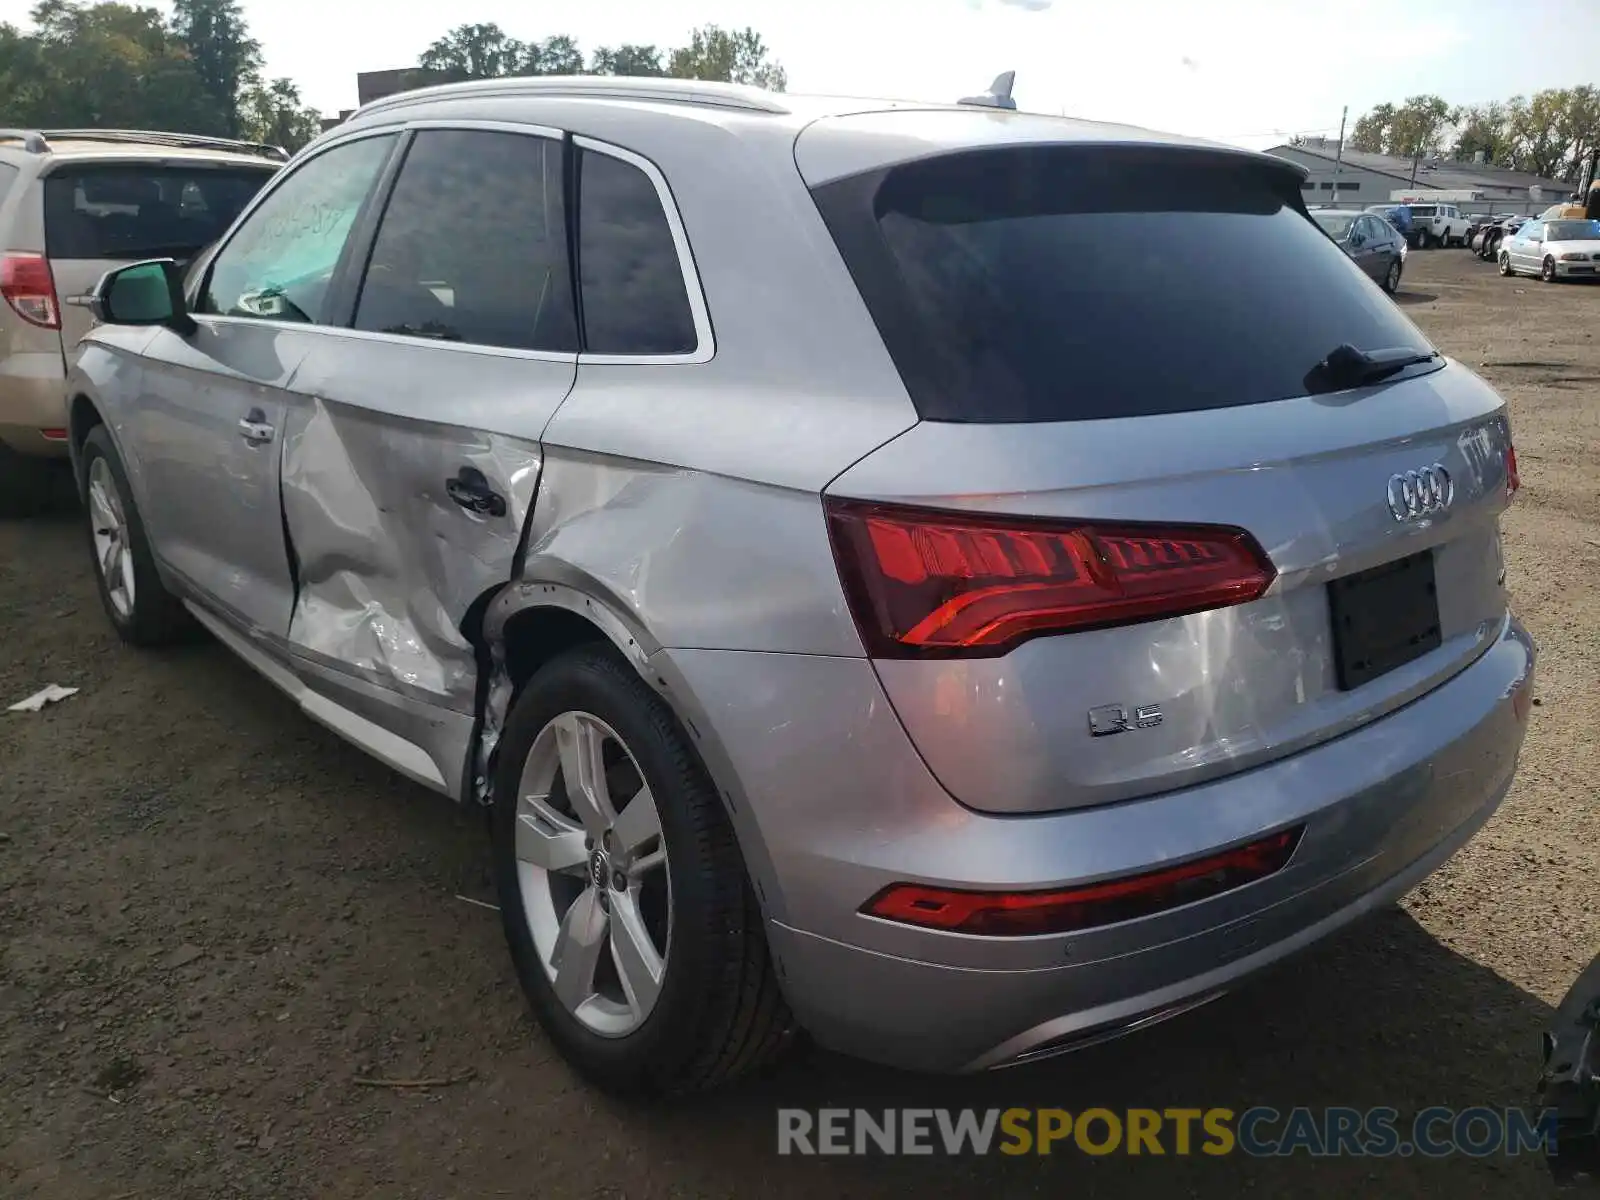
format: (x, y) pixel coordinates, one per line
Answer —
(864, 600)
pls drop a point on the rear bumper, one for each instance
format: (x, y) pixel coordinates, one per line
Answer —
(32, 400)
(830, 815)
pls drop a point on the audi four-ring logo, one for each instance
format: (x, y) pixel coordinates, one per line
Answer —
(1421, 493)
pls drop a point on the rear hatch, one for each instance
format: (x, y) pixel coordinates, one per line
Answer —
(100, 215)
(1154, 527)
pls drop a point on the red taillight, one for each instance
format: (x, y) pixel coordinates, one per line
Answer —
(1024, 914)
(27, 285)
(925, 583)
(1513, 479)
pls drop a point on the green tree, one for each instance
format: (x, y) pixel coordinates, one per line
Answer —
(476, 52)
(1486, 128)
(554, 56)
(1416, 127)
(109, 65)
(740, 56)
(21, 74)
(1554, 131)
(274, 113)
(225, 56)
(627, 59)
(1371, 132)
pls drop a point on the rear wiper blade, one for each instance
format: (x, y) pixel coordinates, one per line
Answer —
(1349, 367)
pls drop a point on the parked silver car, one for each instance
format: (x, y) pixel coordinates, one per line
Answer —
(864, 601)
(1553, 250)
(73, 204)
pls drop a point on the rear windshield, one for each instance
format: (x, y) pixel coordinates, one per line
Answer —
(1422, 210)
(1069, 283)
(130, 211)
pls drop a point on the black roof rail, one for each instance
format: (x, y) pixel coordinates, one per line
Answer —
(189, 141)
(32, 140)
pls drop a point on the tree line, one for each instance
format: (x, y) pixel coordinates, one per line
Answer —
(1552, 133)
(109, 64)
(486, 51)
(113, 65)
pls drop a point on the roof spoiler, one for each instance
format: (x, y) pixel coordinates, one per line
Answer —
(998, 95)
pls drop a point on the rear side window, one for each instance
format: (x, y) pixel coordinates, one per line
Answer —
(133, 210)
(472, 246)
(634, 300)
(1070, 283)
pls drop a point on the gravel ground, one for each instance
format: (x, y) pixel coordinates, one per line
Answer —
(214, 916)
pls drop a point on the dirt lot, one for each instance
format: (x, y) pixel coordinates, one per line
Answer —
(216, 916)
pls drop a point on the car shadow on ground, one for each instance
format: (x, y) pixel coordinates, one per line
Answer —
(1383, 1015)
(1406, 297)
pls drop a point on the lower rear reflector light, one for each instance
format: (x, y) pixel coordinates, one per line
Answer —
(53, 435)
(935, 583)
(1067, 910)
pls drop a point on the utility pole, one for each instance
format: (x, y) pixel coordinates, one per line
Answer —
(1338, 154)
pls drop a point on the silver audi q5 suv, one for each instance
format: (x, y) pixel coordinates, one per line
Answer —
(957, 582)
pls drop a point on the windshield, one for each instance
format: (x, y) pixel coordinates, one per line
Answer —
(1072, 283)
(1572, 231)
(143, 210)
(1337, 224)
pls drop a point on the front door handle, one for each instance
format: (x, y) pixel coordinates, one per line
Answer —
(470, 489)
(254, 428)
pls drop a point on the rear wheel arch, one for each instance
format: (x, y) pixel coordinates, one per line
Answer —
(524, 626)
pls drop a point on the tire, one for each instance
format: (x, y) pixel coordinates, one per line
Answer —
(1391, 281)
(1548, 273)
(29, 485)
(718, 1012)
(137, 603)
(1506, 268)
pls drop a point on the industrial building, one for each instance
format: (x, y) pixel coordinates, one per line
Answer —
(1377, 178)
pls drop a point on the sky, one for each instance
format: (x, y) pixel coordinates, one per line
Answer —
(1250, 72)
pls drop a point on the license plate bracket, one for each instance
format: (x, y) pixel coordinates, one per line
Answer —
(1384, 618)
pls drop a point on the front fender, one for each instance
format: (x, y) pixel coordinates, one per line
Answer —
(107, 371)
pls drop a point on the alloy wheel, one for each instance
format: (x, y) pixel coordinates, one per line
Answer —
(112, 552)
(592, 872)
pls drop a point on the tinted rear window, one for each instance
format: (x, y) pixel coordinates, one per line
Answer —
(131, 211)
(1068, 283)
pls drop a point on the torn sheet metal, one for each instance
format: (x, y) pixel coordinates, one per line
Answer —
(389, 562)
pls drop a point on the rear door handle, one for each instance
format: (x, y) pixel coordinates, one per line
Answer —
(254, 428)
(470, 489)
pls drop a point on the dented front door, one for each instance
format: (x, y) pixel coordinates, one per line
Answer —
(411, 455)
(409, 470)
